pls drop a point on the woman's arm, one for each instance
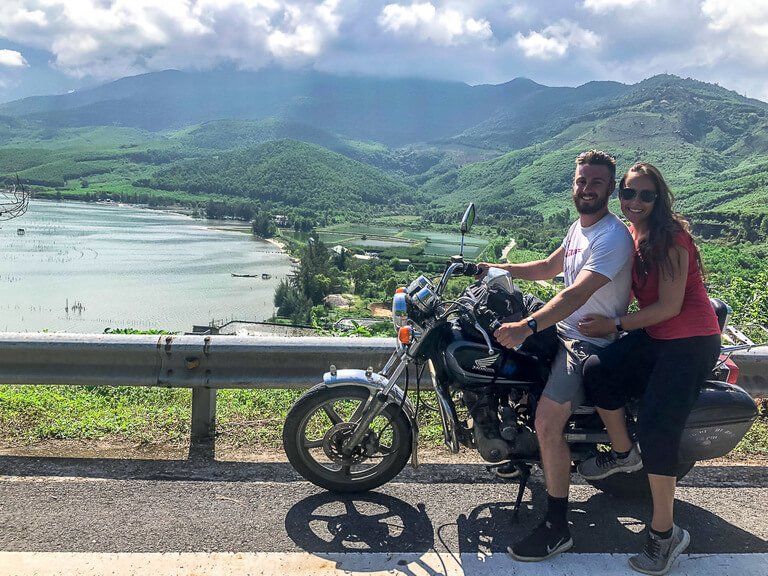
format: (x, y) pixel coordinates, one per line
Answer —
(671, 293)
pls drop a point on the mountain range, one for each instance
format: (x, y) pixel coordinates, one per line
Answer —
(509, 147)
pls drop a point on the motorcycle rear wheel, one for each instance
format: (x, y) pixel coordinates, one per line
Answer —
(634, 484)
(317, 425)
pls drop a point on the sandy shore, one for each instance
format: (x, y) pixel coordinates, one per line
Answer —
(277, 243)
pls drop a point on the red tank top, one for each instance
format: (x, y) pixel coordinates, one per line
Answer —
(697, 317)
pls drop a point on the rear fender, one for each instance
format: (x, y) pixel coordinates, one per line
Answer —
(374, 383)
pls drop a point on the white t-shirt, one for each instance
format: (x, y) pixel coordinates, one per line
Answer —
(606, 247)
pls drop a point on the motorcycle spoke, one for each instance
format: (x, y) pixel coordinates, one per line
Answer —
(346, 471)
(385, 450)
(313, 443)
(332, 414)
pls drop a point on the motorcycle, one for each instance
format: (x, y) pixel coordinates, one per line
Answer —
(357, 429)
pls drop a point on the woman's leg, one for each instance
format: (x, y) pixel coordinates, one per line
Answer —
(616, 425)
(663, 493)
(611, 377)
(671, 393)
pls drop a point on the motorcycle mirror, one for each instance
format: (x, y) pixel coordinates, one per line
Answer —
(468, 219)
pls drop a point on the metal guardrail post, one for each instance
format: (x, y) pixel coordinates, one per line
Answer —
(203, 414)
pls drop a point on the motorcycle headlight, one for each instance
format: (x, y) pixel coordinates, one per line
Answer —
(399, 309)
(420, 282)
(425, 299)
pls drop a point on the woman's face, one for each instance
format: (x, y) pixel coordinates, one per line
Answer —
(638, 198)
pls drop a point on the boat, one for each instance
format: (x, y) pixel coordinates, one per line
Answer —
(266, 276)
(245, 275)
(21, 231)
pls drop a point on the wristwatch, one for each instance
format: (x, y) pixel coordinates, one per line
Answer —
(619, 327)
(531, 321)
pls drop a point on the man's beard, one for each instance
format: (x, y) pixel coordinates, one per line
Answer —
(590, 207)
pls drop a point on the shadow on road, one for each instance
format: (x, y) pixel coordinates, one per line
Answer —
(326, 524)
(367, 522)
(602, 524)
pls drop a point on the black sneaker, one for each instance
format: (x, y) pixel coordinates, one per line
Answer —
(544, 542)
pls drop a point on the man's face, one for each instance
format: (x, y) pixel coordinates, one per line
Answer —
(592, 186)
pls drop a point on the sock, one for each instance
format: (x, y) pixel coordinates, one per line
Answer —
(622, 455)
(556, 512)
(662, 535)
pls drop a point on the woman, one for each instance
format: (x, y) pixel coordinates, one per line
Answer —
(673, 342)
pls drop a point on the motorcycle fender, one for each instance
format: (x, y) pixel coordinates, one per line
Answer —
(374, 383)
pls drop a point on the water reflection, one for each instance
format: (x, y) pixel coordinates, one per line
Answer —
(130, 268)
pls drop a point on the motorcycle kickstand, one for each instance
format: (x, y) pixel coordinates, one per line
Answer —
(525, 474)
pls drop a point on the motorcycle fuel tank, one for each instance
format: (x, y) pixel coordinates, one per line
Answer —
(470, 364)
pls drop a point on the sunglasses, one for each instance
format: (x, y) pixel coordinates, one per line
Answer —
(646, 196)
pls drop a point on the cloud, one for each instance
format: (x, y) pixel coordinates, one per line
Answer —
(110, 38)
(742, 25)
(12, 59)
(605, 6)
(444, 26)
(556, 40)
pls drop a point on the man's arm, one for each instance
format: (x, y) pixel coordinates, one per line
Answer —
(545, 269)
(558, 308)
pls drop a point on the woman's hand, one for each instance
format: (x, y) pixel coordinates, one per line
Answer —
(595, 325)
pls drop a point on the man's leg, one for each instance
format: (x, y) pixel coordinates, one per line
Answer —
(551, 418)
(563, 390)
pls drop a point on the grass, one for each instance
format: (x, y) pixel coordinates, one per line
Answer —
(245, 418)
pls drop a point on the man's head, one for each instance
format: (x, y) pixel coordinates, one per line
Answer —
(594, 181)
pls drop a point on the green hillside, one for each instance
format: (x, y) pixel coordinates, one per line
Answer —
(286, 173)
(710, 144)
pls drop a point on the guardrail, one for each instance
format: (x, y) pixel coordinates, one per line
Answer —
(203, 363)
(207, 363)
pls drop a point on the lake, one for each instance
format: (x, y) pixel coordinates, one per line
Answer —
(82, 267)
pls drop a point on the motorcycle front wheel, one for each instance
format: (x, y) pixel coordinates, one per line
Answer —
(320, 422)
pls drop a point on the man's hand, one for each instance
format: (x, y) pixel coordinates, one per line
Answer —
(482, 268)
(512, 334)
(595, 325)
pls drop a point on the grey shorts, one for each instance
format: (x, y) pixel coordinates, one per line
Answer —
(564, 383)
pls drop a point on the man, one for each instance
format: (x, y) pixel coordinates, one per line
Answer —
(595, 258)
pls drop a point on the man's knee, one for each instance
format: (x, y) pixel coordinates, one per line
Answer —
(551, 418)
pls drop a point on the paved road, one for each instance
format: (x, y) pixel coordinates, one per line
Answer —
(441, 518)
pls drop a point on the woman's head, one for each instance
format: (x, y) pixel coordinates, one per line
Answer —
(646, 201)
(645, 198)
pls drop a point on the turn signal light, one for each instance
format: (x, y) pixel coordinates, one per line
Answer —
(405, 335)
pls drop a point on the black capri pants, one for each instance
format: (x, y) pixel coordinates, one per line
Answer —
(666, 375)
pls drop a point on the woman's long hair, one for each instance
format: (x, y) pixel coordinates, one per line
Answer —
(663, 225)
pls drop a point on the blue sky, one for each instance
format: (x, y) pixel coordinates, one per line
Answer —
(52, 46)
